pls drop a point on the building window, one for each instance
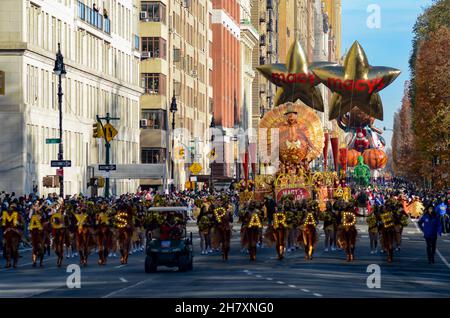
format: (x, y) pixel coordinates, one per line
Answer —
(136, 42)
(156, 118)
(154, 83)
(154, 47)
(155, 12)
(153, 155)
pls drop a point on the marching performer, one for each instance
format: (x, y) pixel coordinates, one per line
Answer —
(36, 230)
(12, 234)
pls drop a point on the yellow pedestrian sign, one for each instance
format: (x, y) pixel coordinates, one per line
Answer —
(110, 132)
(180, 152)
(195, 168)
(212, 155)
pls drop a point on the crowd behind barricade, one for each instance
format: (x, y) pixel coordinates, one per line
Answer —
(77, 225)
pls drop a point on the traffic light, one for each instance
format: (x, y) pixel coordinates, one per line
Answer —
(98, 182)
(97, 130)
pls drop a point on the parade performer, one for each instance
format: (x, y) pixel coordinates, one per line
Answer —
(347, 231)
(386, 218)
(124, 225)
(252, 223)
(60, 232)
(373, 228)
(104, 234)
(223, 218)
(309, 228)
(36, 230)
(12, 234)
(329, 227)
(83, 235)
(400, 221)
(292, 231)
(278, 231)
(204, 223)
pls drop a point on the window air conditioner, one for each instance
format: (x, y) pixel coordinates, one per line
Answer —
(145, 55)
(143, 123)
(144, 15)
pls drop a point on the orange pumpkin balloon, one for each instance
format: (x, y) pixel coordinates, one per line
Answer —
(375, 158)
(352, 157)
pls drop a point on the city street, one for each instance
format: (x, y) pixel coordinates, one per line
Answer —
(327, 275)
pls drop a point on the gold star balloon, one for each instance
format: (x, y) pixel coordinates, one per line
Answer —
(294, 79)
(356, 84)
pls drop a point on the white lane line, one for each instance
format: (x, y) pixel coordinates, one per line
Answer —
(280, 282)
(317, 295)
(123, 280)
(437, 251)
(259, 276)
(120, 266)
(364, 236)
(126, 288)
(448, 241)
(305, 290)
(292, 286)
(442, 258)
(268, 278)
(405, 238)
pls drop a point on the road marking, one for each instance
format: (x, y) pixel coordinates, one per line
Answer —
(126, 288)
(120, 266)
(442, 258)
(268, 278)
(123, 280)
(305, 290)
(259, 276)
(448, 241)
(364, 236)
(280, 282)
(317, 295)
(405, 238)
(292, 286)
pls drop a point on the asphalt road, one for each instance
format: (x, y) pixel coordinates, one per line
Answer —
(327, 275)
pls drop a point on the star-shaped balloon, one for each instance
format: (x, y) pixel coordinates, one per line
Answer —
(295, 79)
(356, 84)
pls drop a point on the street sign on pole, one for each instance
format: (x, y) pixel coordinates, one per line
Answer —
(52, 141)
(107, 167)
(61, 163)
(110, 132)
(195, 168)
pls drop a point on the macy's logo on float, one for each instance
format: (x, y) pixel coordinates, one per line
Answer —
(361, 85)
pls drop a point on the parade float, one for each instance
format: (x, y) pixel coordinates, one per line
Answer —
(355, 105)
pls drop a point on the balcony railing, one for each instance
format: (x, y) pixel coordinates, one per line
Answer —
(94, 18)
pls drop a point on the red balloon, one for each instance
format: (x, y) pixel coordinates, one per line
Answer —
(375, 158)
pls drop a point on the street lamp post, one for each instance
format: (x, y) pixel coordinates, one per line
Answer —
(211, 126)
(173, 110)
(60, 70)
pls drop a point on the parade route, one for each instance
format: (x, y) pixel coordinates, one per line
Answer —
(327, 275)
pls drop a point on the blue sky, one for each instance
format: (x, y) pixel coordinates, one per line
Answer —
(389, 45)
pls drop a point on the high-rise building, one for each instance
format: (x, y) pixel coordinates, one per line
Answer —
(176, 61)
(101, 56)
(249, 44)
(227, 86)
(333, 10)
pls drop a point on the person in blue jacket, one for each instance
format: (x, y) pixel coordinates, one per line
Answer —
(441, 210)
(430, 225)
